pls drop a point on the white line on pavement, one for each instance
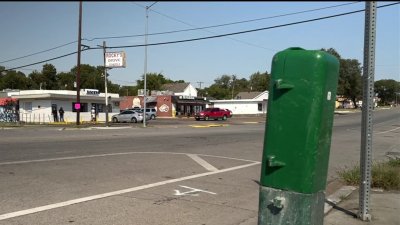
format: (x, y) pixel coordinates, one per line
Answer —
(387, 131)
(202, 162)
(109, 194)
(112, 154)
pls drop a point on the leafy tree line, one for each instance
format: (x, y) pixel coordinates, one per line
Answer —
(224, 87)
(350, 82)
(92, 77)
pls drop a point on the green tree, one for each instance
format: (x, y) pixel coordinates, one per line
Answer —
(112, 88)
(128, 91)
(91, 77)
(49, 74)
(222, 87)
(223, 81)
(202, 92)
(387, 89)
(37, 80)
(154, 81)
(241, 85)
(14, 80)
(349, 84)
(66, 81)
(259, 81)
(2, 73)
(217, 92)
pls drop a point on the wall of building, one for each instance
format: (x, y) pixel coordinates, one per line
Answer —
(242, 107)
(163, 104)
(165, 108)
(41, 111)
(189, 91)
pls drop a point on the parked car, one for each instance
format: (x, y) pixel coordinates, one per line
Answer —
(150, 112)
(212, 113)
(128, 116)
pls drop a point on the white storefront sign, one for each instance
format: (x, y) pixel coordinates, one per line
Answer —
(115, 59)
(90, 91)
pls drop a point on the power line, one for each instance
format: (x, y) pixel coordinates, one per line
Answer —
(47, 60)
(177, 31)
(36, 53)
(209, 37)
(237, 40)
(213, 26)
(253, 30)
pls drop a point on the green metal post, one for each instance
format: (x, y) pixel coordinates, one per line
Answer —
(297, 137)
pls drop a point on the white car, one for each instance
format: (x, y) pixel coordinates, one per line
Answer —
(151, 113)
(128, 116)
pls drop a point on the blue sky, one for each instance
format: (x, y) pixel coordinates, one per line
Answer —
(30, 27)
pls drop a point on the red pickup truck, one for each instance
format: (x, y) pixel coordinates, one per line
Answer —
(213, 113)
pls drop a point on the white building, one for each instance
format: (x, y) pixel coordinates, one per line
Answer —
(181, 89)
(245, 103)
(37, 105)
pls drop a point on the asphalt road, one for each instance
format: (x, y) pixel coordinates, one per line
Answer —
(172, 172)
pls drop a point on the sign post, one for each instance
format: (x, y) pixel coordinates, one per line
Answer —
(367, 111)
(111, 60)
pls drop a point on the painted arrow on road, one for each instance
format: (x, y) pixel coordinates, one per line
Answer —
(193, 192)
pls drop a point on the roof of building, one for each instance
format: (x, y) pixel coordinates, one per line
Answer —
(175, 87)
(247, 95)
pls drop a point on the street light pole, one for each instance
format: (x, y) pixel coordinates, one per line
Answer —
(105, 81)
(78, 69)
(145, 63)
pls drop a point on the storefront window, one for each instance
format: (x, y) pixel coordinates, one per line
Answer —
(84, 107)
(28, 106)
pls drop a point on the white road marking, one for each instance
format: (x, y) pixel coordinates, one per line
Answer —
(113, 154)
(388, 131)
(202, 162)
(109, 194)
(193, 191)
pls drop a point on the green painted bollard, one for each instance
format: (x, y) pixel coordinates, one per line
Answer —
(297, 137)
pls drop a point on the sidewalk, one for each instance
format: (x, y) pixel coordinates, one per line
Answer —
(384, 209)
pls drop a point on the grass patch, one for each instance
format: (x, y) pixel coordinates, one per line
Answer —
(385, 175)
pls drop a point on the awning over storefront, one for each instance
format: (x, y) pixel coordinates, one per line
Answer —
(195, 101)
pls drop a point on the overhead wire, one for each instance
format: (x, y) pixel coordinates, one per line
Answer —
(210, 37)
(212, 26)
(234, 39)
(252, 30)
(36, 53)
(178, 31)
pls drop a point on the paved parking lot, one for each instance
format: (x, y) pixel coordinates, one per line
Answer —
(172, 172)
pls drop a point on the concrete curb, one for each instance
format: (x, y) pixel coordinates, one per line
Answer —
(337, 197)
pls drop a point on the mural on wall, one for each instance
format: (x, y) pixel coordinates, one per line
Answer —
(164, 108)
(136, 102)
(8, 110)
